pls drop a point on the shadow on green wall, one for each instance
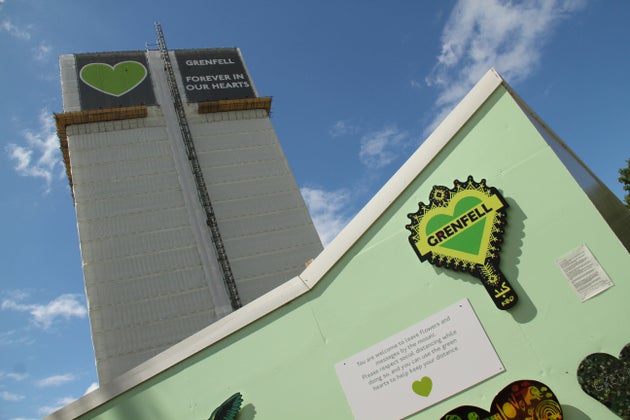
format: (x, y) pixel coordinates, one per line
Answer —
(570, 412)
(248, 412)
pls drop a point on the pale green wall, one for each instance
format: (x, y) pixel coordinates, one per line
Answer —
(284, 363)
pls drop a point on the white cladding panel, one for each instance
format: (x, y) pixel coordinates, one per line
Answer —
(145, 280)
(253, 187)
(153, 336)
(257, 223)
(264, 223)
(130, 224)
(148, 287)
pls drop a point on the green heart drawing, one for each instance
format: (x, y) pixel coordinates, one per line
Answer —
(113, 80)
(468, 241)
(422, 387)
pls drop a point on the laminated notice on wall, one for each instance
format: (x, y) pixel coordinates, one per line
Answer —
(420, 366)
(584, 272)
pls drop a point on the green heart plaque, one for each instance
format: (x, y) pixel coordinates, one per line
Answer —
(114, 80)
(462, 229)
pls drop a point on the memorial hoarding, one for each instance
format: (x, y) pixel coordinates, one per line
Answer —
(370, 283)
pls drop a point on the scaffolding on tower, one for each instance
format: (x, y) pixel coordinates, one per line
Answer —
(202, 191)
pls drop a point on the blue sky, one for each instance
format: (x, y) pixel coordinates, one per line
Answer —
(356, 87)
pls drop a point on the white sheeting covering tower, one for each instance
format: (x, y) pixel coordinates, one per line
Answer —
(150, 268)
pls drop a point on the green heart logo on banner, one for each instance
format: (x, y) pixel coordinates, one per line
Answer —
(461, 229)
(113, 80)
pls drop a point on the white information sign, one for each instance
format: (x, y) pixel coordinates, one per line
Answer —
(585, 274)
(420, 366)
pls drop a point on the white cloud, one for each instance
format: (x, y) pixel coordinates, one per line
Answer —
(15, 376)
(65, 306)
(7, 396)
(93, 387)
(416, 84)
(14, 30)
(343, 128)
(329, 210)
(381, 147)
(506, 35)
(42, 52)
(12, 337)
(55, 380)
(67, 400)
(40, 157)
(60, 403)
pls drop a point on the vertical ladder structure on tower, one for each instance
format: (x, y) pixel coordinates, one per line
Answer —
(202, 191)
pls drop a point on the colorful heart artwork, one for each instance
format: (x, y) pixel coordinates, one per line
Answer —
(520, 400)
(113, 80)
(607, 379)
(462, 229)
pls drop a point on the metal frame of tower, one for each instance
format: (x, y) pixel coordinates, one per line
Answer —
(202, 191)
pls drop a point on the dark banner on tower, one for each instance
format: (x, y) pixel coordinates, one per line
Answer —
(112, 80)
(214, 74)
